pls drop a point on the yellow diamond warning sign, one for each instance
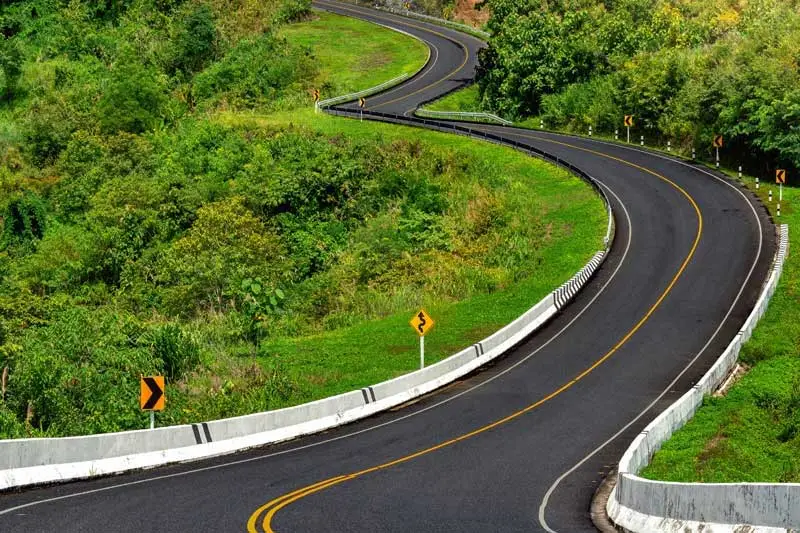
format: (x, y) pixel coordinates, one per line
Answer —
(421, 322)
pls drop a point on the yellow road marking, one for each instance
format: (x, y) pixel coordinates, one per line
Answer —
(443, 36)
(276, 505)
(251, 523)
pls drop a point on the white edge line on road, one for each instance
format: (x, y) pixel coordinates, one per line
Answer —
(554, 486)
(365, 430)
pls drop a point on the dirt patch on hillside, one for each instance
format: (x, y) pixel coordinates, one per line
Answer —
(467, 11)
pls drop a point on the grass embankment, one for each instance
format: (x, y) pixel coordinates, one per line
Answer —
(353, 55)
(752, 434)
(462, 100)
(569, 216)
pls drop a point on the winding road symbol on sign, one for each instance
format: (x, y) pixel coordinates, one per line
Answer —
(151, 397)
(421, 322)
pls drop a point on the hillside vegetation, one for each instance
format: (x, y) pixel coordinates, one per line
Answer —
(171, 204)
(685, 69)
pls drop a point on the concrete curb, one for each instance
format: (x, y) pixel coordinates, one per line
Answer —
(641, 505)
(27, 462)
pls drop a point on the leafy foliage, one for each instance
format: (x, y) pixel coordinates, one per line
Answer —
(685, 70)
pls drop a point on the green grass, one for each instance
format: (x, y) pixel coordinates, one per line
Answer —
(462, 100)
(354, 55)
(753, 433)
(369, 352)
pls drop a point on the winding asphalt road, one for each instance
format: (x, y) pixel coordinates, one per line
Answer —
(521, 445)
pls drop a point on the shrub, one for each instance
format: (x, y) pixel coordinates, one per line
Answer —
(24, 220)
(178, 351)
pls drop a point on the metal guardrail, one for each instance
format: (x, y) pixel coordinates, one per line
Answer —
(322, 104)
(436, 20)
(469, 116)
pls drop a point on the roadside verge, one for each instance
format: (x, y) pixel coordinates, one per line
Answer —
(641, 505)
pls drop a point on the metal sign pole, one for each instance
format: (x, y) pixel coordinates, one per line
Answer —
(152, 419)
(717, 157)
(421, 352)
(780, 193)
(629, 134)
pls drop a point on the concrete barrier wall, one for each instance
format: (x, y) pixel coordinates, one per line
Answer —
(641, 505)
(25, 462)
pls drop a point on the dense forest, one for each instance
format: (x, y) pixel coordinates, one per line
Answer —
(141, 233)
(685, 69)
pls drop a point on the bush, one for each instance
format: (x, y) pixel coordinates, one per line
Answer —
(195, 44)
(133, 99)
(258, 70)
(293, 11)
(24, 220)
(178, 351)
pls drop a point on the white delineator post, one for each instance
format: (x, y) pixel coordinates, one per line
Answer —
(717, 157)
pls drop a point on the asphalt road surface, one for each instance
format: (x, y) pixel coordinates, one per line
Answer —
(521, 445)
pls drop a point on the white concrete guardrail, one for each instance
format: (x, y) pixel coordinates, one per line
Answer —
(642, 505)
(26, 462)
(463, 116)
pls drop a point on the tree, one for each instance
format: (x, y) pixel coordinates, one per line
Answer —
(195, 44)
(133, 99)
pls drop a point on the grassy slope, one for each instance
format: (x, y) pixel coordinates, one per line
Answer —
(373, 351)
(753, 433)
(354, 55)
(463, 100)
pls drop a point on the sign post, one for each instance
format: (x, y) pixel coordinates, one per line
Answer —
(628, 123)
(717, 146)
(316, 99)
(151, 396)
(362, 103)
(422, 323)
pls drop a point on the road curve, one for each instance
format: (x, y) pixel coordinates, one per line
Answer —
(523, 444)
